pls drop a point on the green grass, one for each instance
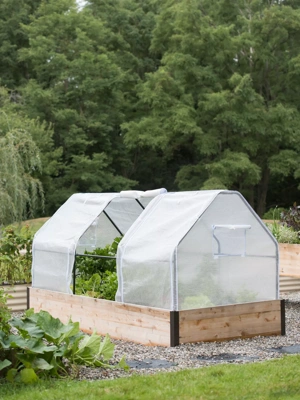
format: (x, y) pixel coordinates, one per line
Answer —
(34, 224)
(277, 379)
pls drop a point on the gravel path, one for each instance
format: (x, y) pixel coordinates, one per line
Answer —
(201, 354)
(150, 360)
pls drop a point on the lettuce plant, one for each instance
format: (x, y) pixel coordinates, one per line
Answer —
(97, 277)
(87, 266)
(101, 286)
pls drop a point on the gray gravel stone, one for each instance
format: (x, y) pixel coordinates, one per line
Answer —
(197, 355)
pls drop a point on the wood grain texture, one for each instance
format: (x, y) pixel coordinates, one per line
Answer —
(146, 325)
(289, 260)
(229, 322)
(18, 301)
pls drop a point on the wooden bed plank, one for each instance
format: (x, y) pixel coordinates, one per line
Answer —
(229, 322)
(121, 321)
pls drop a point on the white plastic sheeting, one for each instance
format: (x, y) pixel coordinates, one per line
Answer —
(83, 222)
(54, 245)
(197, 249)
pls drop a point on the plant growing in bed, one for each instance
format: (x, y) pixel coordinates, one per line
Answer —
(43, 346)
(97, 277)
(15, 255)
(287, 228)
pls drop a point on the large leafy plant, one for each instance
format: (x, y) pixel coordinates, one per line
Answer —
(102, 286)
(5, 313)
(15, 255)
(45, 346)
(87, 266)
(97, 277)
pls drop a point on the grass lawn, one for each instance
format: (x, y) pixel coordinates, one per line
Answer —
(34, 224)
(277, 379)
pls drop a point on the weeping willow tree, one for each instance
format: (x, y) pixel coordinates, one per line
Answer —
(20, 192)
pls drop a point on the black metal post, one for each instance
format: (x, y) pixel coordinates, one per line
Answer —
(140, 204)
(282, 312)
(95, 256)
(113, 222)
(174, 328)
(74, 275)
(28, 298)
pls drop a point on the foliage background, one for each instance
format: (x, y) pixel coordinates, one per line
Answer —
(120, 94)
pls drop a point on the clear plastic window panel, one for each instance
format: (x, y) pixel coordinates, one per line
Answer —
(100, 233)
(229, 240)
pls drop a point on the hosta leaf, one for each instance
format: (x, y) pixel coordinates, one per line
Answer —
(92, 342)
(16, 341)
(5, 363)
(61, 351)
(53, 328)
(4, 342)
(28, 375)
(40, 363)
(27, 327)
(30, 312)
(106, 349)
(32, 345)
(88, 349)
(73, 330)
(122, 364)
(74, 343)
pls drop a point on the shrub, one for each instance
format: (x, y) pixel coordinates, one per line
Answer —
(15, 255)
(5, 313)
(292, 218)
(274, 213)
(283, 234)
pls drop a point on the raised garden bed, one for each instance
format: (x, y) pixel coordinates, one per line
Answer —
(154, 326)
(18, 299)
(289, 260)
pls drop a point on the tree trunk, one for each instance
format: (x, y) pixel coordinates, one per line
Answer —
(262, 192)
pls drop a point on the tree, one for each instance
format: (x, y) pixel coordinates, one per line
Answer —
(223, 102)
(76, 85)
(13, 13)
(21, 192)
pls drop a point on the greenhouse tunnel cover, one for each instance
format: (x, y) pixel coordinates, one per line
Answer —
(84, 222)
(197, 249)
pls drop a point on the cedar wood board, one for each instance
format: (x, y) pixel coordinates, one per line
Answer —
(151, 326)
(146, 325)
(230, 322)
(289, 260)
